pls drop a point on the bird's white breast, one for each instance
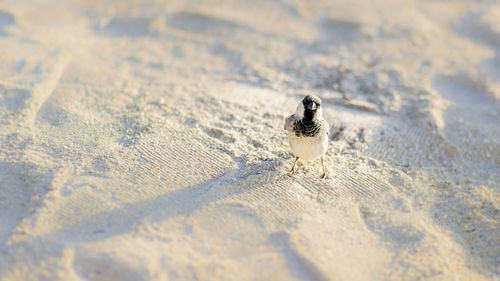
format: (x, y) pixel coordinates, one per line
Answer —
(308, 148)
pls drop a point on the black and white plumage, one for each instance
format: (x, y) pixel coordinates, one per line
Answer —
(308, 131)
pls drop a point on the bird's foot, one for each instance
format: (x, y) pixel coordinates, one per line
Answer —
(293, 170)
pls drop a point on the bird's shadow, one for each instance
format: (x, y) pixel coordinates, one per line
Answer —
(185, 201)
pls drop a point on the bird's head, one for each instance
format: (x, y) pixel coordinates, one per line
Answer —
(309, 109)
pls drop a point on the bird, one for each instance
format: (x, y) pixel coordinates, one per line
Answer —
(308, 132)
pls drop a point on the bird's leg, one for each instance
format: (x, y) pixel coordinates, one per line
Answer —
(292, 171)
(324, 170)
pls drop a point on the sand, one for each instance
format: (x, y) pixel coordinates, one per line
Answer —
(143, 140)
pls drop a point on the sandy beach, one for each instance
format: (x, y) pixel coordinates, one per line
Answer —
(143, 140)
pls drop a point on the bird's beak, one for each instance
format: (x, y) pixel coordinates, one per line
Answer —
(311, 106)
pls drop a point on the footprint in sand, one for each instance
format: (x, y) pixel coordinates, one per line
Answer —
(471, 119)
(480, 32)
(13, 100)
(469, 100)
(101, 266)
(492, 66)
(204, 24)
(219, 135)
(340, 31)
(483, 30)
(299, 264)
(6, 19)
(53, 114)
(20, 186)
(127, 27)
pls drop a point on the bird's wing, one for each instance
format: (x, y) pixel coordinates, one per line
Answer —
(289, 122)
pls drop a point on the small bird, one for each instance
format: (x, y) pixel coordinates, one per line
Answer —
(308, 132)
